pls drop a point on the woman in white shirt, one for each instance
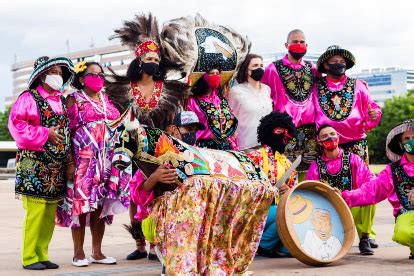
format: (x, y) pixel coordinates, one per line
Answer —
(250, 100)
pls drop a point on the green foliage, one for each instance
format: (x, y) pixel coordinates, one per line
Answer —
(395, 110)
(4, 130)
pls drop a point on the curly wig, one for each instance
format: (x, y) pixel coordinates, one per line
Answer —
(265, 130)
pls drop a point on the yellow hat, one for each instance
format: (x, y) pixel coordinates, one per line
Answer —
(300, 208)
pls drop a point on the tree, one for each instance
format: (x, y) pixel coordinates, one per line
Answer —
(395, 110)
(4, 129)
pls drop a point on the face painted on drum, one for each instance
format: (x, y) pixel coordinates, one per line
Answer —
(322, 225)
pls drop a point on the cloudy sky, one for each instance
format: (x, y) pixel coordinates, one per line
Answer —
(380, 33)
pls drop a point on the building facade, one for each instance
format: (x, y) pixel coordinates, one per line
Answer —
(116, 57)
(384, 83)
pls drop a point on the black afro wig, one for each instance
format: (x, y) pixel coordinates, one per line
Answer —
(269, 123)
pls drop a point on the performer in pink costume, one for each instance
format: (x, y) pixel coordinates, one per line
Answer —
(292, 83)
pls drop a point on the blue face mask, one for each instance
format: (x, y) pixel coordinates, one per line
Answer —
(409, 146)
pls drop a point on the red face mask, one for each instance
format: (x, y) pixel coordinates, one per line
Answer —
(331, 143)
(297, 48)
(213, 81)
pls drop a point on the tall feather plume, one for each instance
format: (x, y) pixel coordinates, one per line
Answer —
(141, 28)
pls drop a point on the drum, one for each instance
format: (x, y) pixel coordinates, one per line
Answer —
(315, 223)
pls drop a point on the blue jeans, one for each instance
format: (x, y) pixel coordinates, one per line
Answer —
(270, 238)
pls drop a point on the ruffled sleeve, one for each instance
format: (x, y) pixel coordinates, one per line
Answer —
(360, 172)
(269, 78)
(371, 192)
(313, 172)
(139, 196)
(73, 112)
(367, 101)
(24, 124)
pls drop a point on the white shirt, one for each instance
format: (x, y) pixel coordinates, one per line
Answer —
(319, 249)
(249, 106)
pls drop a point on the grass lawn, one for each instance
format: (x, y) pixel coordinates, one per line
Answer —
(377, 168)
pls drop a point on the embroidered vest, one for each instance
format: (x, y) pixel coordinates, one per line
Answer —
(42, 174)
(403, 184)
(336, 105)
(298, 83)
(341, 180)
(222, 123)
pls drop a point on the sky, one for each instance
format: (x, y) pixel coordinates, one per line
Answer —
(376, 32)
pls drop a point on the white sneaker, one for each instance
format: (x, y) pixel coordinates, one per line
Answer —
(107, 260)
(80, 263)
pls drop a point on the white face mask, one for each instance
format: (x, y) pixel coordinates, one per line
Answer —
(54, 81)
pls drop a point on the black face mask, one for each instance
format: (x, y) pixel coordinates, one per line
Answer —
(257, 74)
(189, 138)
(337, 69)
(149, 67)
(297, 56)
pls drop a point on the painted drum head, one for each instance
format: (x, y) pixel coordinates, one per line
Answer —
(315, 223)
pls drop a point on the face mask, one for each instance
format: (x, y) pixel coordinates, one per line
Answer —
(213, 81)
(337, 69)
(331, 143)
(409, 146)
(94, 82)
(189, 138)
(149, 67)
(257, 74)
(297, 50)
(54, 81)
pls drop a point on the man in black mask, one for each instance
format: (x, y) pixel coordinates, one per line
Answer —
(345, 104)
(185, 126)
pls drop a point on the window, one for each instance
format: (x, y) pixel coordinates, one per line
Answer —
(378, 80)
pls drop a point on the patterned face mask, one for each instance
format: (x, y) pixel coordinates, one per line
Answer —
(409, 146)
(331, 143)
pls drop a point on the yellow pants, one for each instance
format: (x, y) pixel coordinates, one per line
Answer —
(38, 226)
(364, 219)
(404, 230)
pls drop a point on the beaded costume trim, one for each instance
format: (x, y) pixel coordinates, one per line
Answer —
(298, 83)
(336, 105)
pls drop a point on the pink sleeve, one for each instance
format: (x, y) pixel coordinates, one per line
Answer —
(360, 172)
(24, 124)
(366, 102)
(269, 78)
(73, 116)
(139, 196)
(313, 173)
(371, 192)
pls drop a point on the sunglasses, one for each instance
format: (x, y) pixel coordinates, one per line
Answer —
(95, 75)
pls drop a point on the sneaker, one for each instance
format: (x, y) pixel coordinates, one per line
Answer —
(136, 255)
(50, 265)
(35, 266)
(364, 247)
(373, 243)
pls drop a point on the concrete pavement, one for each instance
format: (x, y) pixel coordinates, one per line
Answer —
(389, 259)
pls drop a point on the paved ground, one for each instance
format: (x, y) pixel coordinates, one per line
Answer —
(389, 259)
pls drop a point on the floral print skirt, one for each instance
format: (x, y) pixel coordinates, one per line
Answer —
(211, 225)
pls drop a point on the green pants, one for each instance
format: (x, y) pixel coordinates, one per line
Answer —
(38, 226)
(404, 230)
(364, 219)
